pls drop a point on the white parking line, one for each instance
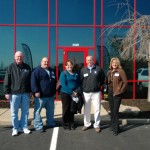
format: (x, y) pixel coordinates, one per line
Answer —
(54, 139)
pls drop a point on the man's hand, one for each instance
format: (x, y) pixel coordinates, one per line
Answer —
(37, 95)
(7, 96)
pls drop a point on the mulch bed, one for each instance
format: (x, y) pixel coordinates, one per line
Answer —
(6, 104)
(142, 104)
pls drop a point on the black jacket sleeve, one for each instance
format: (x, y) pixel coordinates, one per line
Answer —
(7, 81)
(102, 77)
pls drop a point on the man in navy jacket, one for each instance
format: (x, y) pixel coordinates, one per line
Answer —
(43, 86)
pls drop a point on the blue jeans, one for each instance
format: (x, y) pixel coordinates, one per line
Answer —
(48, 104)
(22, 101)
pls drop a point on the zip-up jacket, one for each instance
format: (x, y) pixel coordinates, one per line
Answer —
(42, 82)
(117, 81)
(17, 79)
(92, 80)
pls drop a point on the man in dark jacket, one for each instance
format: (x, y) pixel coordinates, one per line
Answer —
(43, 85)
(17, 89)
(92, 78)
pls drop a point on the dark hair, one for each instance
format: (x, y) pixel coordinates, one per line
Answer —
(68, 61)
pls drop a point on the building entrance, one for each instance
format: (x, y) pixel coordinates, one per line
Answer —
(77, 55)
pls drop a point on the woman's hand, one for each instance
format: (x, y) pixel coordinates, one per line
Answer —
(74, 94)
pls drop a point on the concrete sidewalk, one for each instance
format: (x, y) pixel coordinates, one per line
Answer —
(5, 118)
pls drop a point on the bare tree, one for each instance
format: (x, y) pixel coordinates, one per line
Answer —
(141, 38)
(138, 34)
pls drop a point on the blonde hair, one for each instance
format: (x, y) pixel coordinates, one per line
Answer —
(117, 61)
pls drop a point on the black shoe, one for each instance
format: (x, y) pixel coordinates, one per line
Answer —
(41, 130)
(72, 126)
(115, 133)
(118, 128)
(66, 127)
(48, 127)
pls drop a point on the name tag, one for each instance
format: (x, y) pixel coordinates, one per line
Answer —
(85, 75)
(116, 74)
(25, 70)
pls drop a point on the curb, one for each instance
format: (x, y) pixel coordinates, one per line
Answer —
(136, 121)
(106, 121)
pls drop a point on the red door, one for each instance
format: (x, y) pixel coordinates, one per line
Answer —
(77, 55)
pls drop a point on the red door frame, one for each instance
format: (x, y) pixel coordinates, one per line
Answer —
(73, 49)
(76, 49)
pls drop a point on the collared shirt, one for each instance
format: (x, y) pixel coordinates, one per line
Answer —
(48, 72)
(90, 68)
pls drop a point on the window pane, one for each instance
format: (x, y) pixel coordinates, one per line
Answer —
(116, 44)
(6, 47)
(69, 36)
(6, 55)
(119, 12)
(53, 47)
(142, 8)
(142, 46)
(141, 93)
(98, 12)
(142, 53)
(129, 91)
(60, 61)
(101, 49)
(98, 35)
(52, 11)
(36, 39)
(78, 60)
(75, 12)
(60, 65)
(6, 11)
(76, 57)
(31, 11)
(91, 53)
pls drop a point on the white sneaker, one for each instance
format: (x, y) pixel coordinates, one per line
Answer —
(26, 131)
(15, 132)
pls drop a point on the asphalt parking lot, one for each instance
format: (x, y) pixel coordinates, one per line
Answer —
(132, 137)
